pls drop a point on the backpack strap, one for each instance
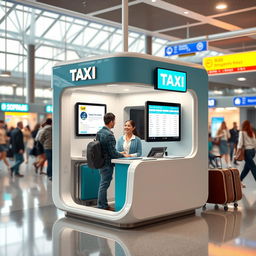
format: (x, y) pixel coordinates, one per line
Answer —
(97, 137)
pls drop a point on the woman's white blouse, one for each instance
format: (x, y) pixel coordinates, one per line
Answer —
(127, 144)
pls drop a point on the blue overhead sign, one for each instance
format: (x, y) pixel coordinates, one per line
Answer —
(244, 101)
(211, 103)
(186, 48)
(171, 80)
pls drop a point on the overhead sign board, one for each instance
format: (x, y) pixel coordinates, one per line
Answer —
(48, 108)
(171, 80)
(211, 103)
(238, 62)
(14, 107)
(186, 48)
(244, 101)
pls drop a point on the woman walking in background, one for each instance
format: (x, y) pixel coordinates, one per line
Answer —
(3, 144)
(28, 141)
(223, 136)
(247, 139)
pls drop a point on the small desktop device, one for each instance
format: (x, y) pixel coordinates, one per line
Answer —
(157, 152)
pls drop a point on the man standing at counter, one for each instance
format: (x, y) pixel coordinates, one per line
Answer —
(108, 146)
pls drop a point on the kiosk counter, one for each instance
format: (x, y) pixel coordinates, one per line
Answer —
(173, 97)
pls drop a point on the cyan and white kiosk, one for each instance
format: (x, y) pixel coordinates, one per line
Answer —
(143, 191)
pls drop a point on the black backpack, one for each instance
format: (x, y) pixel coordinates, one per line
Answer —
(95, 157)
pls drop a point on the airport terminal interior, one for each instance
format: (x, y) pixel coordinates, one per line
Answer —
(44, 214)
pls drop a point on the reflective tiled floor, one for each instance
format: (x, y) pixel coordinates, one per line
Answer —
(31, 225)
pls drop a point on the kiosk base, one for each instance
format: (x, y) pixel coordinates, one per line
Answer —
(129, 225)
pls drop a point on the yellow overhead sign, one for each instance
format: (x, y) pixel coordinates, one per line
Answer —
(238, 62)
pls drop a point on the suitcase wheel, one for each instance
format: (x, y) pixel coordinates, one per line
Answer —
(225, 207)
(235, 205)
(204, 207)
(216, 207)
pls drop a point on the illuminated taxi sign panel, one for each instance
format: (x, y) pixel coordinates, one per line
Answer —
(171, 80)
(238, 62)
(14, 107)
(48, 108)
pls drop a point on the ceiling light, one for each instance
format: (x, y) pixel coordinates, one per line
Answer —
(238, 90)
(218, 92)
(221, 6)
(126, 90)
(153, 1)
(241, 79)
(5, 74)
(186, 12)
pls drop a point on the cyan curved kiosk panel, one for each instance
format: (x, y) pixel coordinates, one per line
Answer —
(155, 189)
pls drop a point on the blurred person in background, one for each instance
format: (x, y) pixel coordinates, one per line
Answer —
(38, 149)
(18, 149)
(3, 144)
(233, 140)
(223, 136)
(247, 139)
(45, 138)
(28, 141)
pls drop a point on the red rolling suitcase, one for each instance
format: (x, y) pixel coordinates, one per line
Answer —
(221, 188)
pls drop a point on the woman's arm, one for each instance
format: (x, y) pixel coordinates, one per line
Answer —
(240, 140)
(119, 146)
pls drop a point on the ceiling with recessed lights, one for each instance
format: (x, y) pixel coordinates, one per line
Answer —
(177, 20)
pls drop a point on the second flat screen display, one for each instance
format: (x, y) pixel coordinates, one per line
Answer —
(163, 121)
(89, 118)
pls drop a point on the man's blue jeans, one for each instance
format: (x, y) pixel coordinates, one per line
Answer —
(105, 180)
(48, 153)
(19, 159)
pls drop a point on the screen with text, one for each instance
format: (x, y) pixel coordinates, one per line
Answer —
(89, 118)
(163, 121)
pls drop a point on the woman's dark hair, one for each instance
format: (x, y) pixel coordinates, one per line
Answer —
(246, 127)
(28, 127)
(133, 126)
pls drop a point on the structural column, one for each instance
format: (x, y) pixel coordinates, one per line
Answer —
(148, 45)
(30, 81)
(125, 24)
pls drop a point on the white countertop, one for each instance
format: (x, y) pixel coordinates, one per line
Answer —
(144, 159)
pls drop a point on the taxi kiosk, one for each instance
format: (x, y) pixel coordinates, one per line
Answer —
(147, 189)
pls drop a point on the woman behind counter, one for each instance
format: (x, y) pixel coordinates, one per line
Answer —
(130, 143)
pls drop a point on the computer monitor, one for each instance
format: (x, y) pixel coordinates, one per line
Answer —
(163, 121)
(157, 152)
(89, 118)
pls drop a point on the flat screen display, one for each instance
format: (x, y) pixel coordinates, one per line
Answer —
(163, 121)
(89, 118)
